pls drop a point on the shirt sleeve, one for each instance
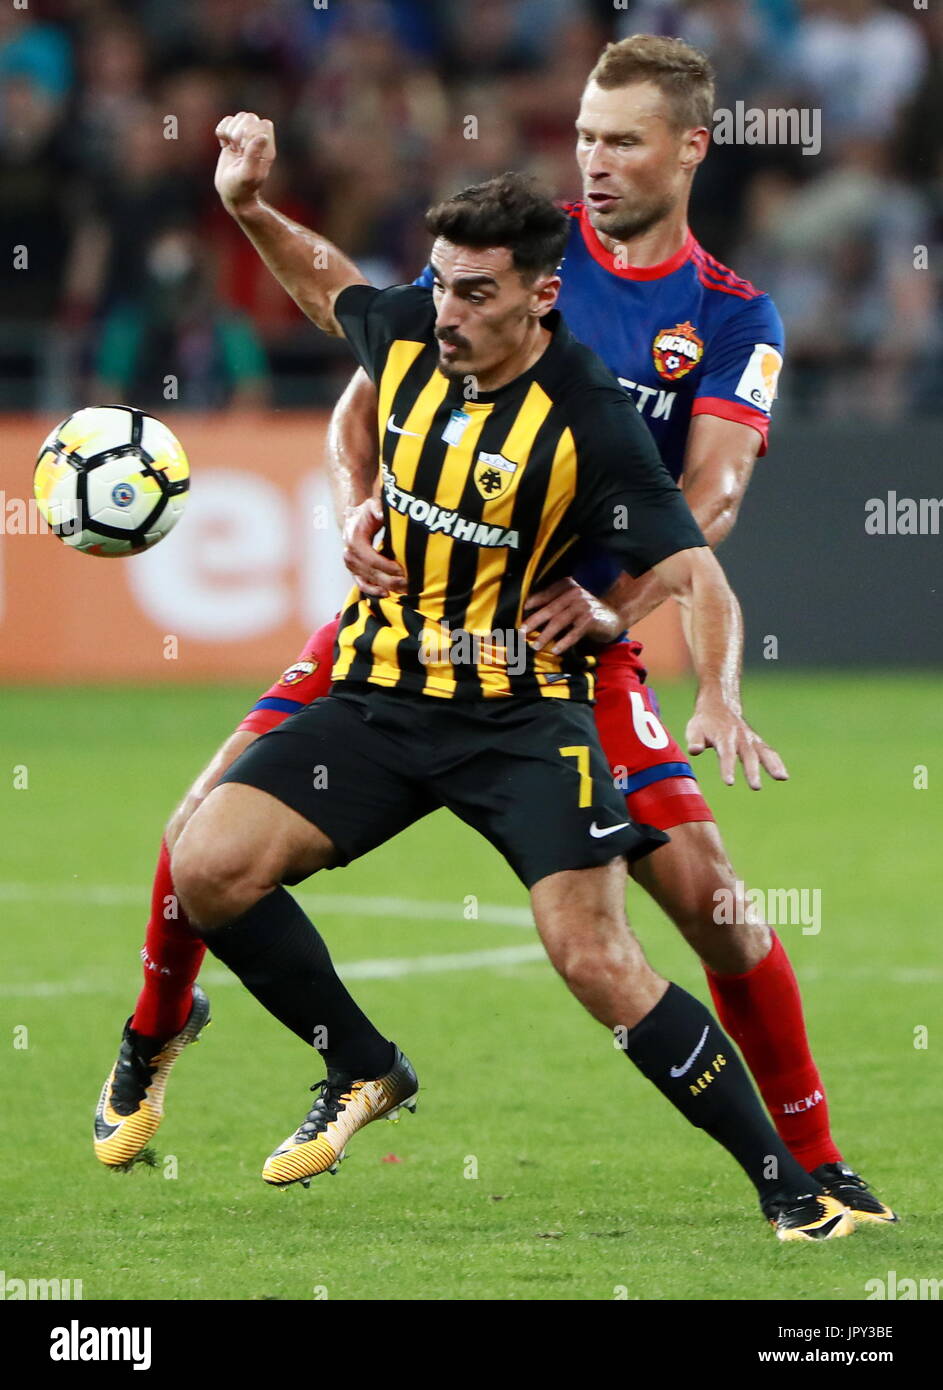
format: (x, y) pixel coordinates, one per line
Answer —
(372, 319)
(595, 569)
(744, 358)
(626, 500)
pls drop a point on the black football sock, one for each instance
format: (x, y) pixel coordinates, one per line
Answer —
(683, 1050)
(279, 956)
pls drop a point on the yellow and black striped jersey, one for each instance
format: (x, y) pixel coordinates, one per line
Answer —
(487, 497)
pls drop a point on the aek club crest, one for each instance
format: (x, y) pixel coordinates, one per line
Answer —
(493, 474)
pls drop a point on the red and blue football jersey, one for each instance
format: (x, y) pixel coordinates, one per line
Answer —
(687, 337)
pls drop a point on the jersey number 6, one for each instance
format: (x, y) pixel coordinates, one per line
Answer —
(649, 729)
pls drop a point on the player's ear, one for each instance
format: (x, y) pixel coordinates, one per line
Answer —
(694, 146)
(544, 294)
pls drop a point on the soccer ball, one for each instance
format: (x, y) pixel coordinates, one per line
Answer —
(111, 480)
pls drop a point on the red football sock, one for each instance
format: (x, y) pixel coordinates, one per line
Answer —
(172, 957)
(762, 1012)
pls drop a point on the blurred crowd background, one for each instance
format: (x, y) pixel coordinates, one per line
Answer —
(133, 273)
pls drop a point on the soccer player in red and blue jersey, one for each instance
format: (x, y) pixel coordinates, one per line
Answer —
(699, 350)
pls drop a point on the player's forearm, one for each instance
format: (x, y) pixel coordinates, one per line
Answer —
(307, 266)
(713, 624)
(715, 638)
(352, 452)
(634, 599)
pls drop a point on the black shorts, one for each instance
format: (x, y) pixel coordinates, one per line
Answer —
(530, 775)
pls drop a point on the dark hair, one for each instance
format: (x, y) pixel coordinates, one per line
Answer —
(681, 73)
(510, 210)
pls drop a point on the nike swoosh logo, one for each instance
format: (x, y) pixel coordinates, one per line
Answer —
(598, 834)
(679, 1071)
(823, 1232)
(103, 1130)
(392, 425)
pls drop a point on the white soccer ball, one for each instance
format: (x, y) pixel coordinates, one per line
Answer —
(111, 480)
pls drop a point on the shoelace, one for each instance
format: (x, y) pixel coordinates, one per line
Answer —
(790, 1204)
(840, 1176)
(851, 1180)
(327, 1106)
(133, 1075)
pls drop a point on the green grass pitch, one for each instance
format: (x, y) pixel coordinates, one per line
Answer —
(539, 1164)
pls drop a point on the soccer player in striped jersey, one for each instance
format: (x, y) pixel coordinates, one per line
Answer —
(699, 351)
(482, 501)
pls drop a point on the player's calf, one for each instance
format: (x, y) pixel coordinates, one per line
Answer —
(172, 952)
(676, 1043)
(691, 879)
(757, 999)
(581, 920)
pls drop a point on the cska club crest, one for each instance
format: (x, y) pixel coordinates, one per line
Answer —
(677, 351)
(493, 474)
(299, 672)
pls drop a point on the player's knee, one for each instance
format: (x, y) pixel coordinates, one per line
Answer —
(178, 821)
(587, 962)
(724, 942)
(703, 883)
(733, 950)
(728, 940)
(709, 911)
(695, 913)
(213, 887)
(578, 968)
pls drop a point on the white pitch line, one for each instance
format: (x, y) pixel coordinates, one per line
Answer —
(401, 967)
(395, 968)
(323, 904)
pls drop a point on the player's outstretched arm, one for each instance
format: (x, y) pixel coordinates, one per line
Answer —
(310, 268)
(714, 631)
(718, 465)
(352, 461)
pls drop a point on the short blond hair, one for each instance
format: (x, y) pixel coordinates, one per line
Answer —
(681, 73)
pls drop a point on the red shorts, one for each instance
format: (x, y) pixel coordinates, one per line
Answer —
(647, 765)
(653, 771)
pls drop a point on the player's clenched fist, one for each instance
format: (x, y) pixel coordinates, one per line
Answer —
(246, 153)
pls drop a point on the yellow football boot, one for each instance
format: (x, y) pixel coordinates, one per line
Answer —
(843, 1183)
(343, 1106)
(131, 1105)
(813, 1217)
